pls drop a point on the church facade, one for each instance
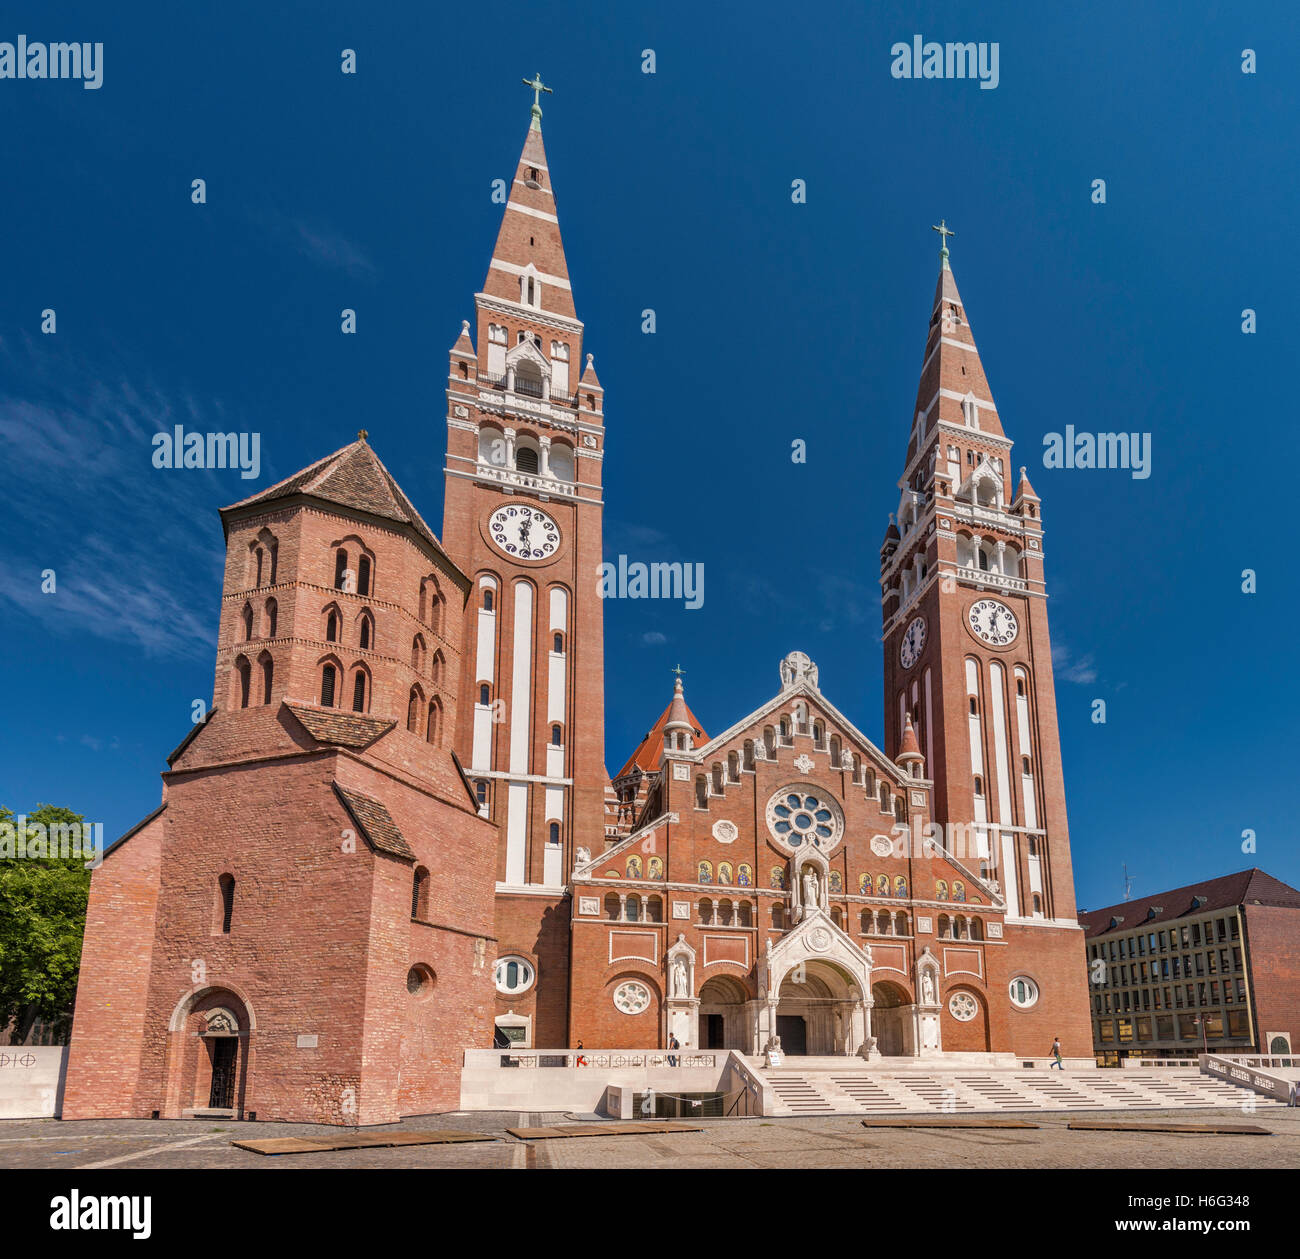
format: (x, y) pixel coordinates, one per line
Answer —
(394, 836)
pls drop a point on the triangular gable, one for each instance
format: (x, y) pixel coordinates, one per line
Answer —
(587, 869)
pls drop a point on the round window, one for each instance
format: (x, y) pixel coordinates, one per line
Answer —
(419, 982)
(962, 1006)
(803, 815)
(1024, 992)
(513, 974)
(631, 998)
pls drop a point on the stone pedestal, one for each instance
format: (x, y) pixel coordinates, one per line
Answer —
(683, 1021)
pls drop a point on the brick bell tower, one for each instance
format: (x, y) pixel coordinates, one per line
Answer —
(967, 651)
(525, 439)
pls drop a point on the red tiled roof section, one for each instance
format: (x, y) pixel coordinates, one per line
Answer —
(329, 725)
(1243, 888)
(650, 750)
(375, 823)
(352, 477)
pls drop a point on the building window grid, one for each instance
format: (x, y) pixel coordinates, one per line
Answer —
(1136, 989)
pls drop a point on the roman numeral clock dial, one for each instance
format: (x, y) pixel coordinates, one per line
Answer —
(993, 622)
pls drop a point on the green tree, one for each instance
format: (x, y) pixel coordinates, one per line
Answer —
(42, 917)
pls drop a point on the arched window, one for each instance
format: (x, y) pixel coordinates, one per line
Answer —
(332, 627)
(554, 832)
(247, 616)
(272, 617)
(260, 556)
(438, 663)
(489, 600)
(525, 459)
(480, 792)
(1024, 766)
(979, 785)
(268, 677)
(420, 894)
(363, 575)
(340, 568)
(275, 559)
(414, 707)
(433, 734)
(559, 644)
(417, 654)
(557, 736)
(484, 694)
(359, 692)
(366, 631)
(328, 678)
(226, 887)
(243, 671)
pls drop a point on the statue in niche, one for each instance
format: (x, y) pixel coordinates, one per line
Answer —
(681, 979)
(810, 896)
(927, 988)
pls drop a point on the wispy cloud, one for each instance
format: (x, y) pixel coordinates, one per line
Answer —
(315, 241)
(134, 550)
(1065, 665)
(653, 638)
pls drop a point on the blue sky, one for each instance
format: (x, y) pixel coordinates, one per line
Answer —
(774, 321)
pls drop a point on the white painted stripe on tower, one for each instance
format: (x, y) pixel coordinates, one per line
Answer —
(929, 725)
(516, 831)
(521, 679)
(996, 676)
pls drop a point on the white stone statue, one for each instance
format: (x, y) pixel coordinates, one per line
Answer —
(582, 857)
(810, 900)
(680, 977)
(927, 988)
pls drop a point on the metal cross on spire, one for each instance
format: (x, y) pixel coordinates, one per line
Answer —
(678, 671)
(538, 88)
(944, 232)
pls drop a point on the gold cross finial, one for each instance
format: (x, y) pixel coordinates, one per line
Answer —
(538, 88)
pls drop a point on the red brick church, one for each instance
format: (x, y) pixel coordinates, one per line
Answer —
(393, 837)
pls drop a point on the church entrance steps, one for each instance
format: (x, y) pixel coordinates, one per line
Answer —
(860, 1090)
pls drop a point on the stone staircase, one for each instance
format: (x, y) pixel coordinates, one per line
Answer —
(839, 1086)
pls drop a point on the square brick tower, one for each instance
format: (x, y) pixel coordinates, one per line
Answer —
(525, 440)
(968, 659)
(304, 929)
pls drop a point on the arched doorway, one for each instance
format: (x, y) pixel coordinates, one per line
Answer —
(209, 1054)
(815, 1010)
(891, 1022)
(723, 1023)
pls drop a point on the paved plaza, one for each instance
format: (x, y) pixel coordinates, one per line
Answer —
(823, 1142)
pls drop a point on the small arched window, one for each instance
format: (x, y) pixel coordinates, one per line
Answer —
(433, 733)
(974, 707)
(244, 671)
(268, 678)
(359, 692)
(272, 617)
(367, 630)
(413, 710)
(275, 560)
(484, 694)
(557, 736)
(226, 886)
(417, 654)
(420, 894)
(559, 644)
(480, 793)
(979, 785)
(332, 627)
(340, 568)
(555, 832)
(489, 600)
(260, 557)
(438, 663)
(363, 575)
(247, 615)
(1024, 766)
(328, 678)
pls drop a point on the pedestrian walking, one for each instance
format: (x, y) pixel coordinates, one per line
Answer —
(1057, 1061)
(673, 1043)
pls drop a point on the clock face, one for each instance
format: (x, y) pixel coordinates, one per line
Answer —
(913, 641)
(524, 532)
(993, 622)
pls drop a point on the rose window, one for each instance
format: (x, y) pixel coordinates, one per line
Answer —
(801, 815)
(962, 1006)
(631, 998)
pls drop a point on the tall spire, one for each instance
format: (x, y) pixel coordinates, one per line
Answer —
(528, 246)
(952, 387)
